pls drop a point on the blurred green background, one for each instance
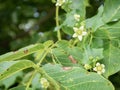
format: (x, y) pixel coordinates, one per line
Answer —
(24, 22)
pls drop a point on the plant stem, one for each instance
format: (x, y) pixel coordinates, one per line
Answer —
(43, 56)
(29, 82)
(91, 37)
(46, 51)
(57, 23)
(75, 42)
(53, 58)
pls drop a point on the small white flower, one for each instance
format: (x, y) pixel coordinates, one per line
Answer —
(59, 2)
(79, 32)
(100, 68)
(77, 17)
(44, 83)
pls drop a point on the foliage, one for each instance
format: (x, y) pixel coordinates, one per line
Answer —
(84, 56)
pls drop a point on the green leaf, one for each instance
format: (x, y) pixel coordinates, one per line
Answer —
(76, 53)
(97, 43)
(5, 65)
(18, 66)
(71, 50)
(21, 88)
(39, 53)
(61, 56)
(65, 50)
(18, 88)
(67, 54)
(25, 51)
(96, 21)
(111, 10)
(92, 52)
(36, 82)
(60, 53)
(111, 60)
(77, 78)
(108, 31)
(70, 21)
(115, 25)
(11, 80)
(79, 6)
(21, 52)
(48, 43)
(63, 44)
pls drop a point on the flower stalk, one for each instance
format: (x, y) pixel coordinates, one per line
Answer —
(57, 23)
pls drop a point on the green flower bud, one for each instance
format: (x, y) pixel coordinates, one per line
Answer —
(87, 66)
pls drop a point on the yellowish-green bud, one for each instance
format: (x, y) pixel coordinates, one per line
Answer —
(87, 66)
(44, 82)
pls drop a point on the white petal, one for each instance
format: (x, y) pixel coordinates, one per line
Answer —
(103, 65)
(99, 72)
(97, 64)
(63, 1)
(60, 2)
(84, 33)
(74, 35)
(80, 37)
(57, 4)
(81, 28)
(95, 69)
(75, 29)
(103, 70)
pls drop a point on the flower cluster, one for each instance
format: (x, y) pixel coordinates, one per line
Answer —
(99, 68)
(59, 2)
(44, 83)
(79, 32)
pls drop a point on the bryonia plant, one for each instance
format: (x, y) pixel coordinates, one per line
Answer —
(84, 62)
